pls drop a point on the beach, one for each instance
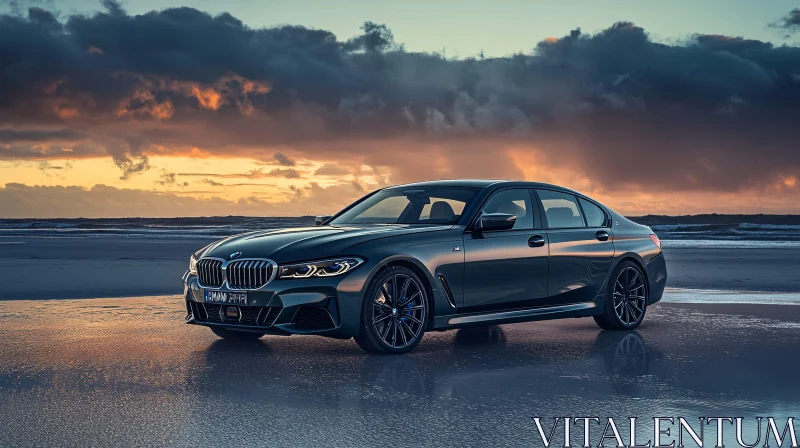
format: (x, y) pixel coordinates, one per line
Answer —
(126, 372)
(95, 353)
(71, 268)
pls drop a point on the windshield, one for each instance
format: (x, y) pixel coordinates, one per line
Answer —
(420, 205)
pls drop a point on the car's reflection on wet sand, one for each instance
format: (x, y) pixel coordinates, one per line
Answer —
(73, 373)
(476, 355)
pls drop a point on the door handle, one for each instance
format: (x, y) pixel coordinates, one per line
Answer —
(536, 241)
(601, 235)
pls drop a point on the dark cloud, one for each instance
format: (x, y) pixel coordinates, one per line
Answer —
(357, 185)
(259, 173)
(790, 21)
(376, 38)
(51, 170)
(249, 184)
(18, 7)
(283, 159)
(288, 173)
(713, 112)
(330, 169)
(131, 164)
(166, 178)
(214, 183)
(33, 135)
(46, 166)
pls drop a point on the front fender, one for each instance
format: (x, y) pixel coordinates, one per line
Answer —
(430, 255)
(401, 259)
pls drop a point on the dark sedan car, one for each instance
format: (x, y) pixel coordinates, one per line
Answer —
(430, 256)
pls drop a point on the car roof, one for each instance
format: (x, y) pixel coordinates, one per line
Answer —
(483, 183)
(474, 183)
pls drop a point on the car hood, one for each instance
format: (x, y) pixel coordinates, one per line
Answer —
(306, 243)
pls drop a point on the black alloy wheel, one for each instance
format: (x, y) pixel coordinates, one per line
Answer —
(394, 313)
(626, 299)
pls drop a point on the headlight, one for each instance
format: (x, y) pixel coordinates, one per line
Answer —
(323, 268)
(193, 264)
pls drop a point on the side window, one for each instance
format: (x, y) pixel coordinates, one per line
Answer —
(513, 202)
(561, 209)
(595, 216)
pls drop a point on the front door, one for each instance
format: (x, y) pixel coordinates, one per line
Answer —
(507, 269)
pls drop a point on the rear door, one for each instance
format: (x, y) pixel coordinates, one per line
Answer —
(581, 246)
(507, 268)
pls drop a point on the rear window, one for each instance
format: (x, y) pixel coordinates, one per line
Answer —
(561, 209)
(595, 216)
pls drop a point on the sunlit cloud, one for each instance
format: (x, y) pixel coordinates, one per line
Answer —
(330, 169)
(648, 126)
(256, 173)
(22, 201)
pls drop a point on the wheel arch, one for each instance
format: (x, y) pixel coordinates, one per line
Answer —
(639, 262)
(632, 256)
(628, 256)
(416, 267)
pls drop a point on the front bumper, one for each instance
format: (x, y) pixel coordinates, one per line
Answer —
(321, 306)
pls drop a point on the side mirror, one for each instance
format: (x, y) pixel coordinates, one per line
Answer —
(318, 220)
(495, 221)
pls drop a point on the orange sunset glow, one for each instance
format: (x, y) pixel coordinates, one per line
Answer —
(295, 121)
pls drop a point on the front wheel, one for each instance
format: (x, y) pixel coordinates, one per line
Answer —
(394, 312)
(626, 299)
(224, 333)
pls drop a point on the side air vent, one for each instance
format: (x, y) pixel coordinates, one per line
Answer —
(447, 291)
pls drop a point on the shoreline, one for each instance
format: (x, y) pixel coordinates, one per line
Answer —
(673, 297)
(78, 268)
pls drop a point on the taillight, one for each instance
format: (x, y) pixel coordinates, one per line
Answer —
(655, 240)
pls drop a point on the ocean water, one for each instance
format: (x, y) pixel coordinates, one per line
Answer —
(172, 228)
(730, 235)
(730, 244)
(728, 231)
(734, 232)
(689, 295)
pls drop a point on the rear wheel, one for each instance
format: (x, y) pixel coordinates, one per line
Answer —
(626, 299)
(224, 333)
(394, 312)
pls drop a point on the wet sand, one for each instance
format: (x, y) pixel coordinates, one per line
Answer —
(71, 268)
(63, 268)
(110, 372)
(750, 269)
(125, 370)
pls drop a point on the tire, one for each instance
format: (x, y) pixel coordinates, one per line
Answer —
(224, 333)
(626, 298)
(389, 326)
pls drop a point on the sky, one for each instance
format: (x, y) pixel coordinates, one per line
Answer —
(289, 108)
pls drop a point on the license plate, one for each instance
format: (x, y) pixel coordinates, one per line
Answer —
(233, 298)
